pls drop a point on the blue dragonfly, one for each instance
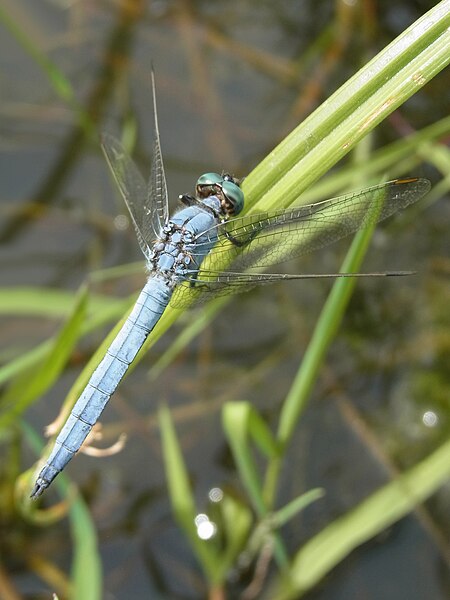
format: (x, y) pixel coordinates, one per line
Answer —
(206, 250)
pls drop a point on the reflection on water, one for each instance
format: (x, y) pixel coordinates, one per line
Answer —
(430, 418)
(232, 80)
(206, 529)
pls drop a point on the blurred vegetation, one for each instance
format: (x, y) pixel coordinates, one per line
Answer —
(249, 556)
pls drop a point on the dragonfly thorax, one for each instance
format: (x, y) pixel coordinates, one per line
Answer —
(170, 254)
(175, 254)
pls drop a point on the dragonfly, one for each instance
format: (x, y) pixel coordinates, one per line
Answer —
(204, 250)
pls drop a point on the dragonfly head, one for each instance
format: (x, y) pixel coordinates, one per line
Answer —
(225, 187)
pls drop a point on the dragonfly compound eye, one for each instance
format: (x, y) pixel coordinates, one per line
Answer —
(207, 183)
(209, 179)
(234, 197)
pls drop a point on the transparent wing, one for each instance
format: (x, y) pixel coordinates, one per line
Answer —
(264, 239)
(215, 284)
(258, 241)
(148, 206)
(131, 185)
(157, 197)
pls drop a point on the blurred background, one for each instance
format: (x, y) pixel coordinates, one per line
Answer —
(233, 79)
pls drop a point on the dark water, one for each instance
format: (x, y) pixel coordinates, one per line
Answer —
(229, 88)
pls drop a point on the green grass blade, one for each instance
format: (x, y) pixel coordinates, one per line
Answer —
(324, 333)
(327, 325)
(25, 361)
(102, 310)
(334, 129)
(383, 508)
(86, 566)
(45, 302)
(55, 76)
(236, 521)
(242, 424)
(405, 151)
(266, 530)
(27, 388)
(283, 515)
(328, 134)
(182, 498)
(402, 156)
(188, 333)
(235, 517)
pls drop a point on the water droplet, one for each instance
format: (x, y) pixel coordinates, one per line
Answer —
(430, 418)
(206, 529)
(121, 222)
(215, 494)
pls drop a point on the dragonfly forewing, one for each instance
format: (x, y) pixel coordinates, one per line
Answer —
(132, 187)
(262, 240)
(157, 197)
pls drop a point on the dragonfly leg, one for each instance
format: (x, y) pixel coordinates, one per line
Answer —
(243, 242)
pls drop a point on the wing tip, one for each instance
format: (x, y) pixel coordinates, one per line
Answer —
(421, 182)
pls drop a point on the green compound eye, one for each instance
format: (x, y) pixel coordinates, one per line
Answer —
(209, 179)
(231, 191)
(234, 195)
